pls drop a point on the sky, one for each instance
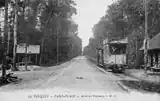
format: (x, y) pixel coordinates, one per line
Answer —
(89, 13)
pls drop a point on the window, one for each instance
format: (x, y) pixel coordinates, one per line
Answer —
(117, 48)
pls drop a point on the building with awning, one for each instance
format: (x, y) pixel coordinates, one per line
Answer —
(153, 47)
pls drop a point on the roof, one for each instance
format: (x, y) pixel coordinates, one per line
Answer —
(120, 41)
(153, 43)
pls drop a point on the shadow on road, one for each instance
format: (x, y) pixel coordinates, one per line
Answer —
(142, 85)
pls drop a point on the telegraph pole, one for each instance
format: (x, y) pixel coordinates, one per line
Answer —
(15, 35)
(58, 31)
(58, 43)
(146, 37)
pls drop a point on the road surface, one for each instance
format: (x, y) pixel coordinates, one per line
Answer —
(77, 76)
(82, 75)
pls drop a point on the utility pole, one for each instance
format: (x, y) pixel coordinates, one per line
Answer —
(136, 50)
(58, 45)
(15, 35)
(146, 37)
(3, 40)
(58, 31)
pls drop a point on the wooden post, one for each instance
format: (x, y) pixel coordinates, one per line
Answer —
(26, 56)
(18, 58)
(29, 55)
(36, 59)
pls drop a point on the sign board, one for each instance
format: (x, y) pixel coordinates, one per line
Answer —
(20, 49)
(31, 49)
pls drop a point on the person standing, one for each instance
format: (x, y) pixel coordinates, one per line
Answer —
(8, 63)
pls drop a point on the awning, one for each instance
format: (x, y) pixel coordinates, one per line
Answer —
(153, 43)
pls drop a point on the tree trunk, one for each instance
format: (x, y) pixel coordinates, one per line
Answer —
(41, 54)
(5, 33)
(26, 62)
(15, 38)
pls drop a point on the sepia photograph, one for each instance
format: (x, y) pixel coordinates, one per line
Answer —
(79, 50)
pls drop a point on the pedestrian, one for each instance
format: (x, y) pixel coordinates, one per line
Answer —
(8, 64)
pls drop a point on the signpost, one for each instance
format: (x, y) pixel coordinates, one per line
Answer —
(28, 49)
(31, 49)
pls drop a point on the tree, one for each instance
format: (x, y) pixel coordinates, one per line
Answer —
(2, 3)
(51, 21)
(126, 18)
(39, 22)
